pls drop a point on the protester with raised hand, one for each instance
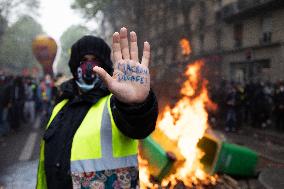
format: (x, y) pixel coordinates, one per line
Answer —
(91, 137)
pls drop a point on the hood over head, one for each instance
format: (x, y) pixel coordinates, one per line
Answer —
(90, 45)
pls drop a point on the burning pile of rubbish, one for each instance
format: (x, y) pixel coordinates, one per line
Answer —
(177, 134)
(182, 152)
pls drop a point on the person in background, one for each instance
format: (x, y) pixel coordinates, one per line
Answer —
(3, 129)
(231, 117)
(30, 94)
(14, 98)
(45, 96)
(91, 137)
(240, 104)
(279, 107)
(260, 106)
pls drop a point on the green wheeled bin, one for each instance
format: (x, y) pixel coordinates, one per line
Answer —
(223, 157)
(162, 155)
(159, 161)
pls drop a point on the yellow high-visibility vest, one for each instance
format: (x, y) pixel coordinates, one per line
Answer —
(97, 144)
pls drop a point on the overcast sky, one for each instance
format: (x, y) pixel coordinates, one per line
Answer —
(56, 16)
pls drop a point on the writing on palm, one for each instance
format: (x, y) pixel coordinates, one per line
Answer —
(130, 82)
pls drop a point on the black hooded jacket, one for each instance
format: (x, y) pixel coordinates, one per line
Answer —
(90, 45)
(135, 121)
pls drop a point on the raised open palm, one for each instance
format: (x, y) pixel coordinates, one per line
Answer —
(130, 82)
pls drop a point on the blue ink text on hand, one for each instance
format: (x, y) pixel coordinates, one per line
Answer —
(126, 68)
(132, 78)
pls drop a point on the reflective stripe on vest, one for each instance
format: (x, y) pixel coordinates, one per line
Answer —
(99, 145)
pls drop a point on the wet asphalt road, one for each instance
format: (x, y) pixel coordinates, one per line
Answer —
(19, 153)
(19, 156)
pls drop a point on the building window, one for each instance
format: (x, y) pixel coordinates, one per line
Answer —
(201, 42)
(238, 34)
(169, 55)
(266, 30)
(203, 8)
(180, 19)
(203, 15)
(218, 33)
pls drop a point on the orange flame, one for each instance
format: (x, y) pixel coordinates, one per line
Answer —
(185, 124)
(185, 46)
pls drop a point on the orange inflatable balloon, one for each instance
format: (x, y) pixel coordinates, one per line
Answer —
(44, 49)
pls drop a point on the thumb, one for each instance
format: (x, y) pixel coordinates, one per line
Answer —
(107, 79)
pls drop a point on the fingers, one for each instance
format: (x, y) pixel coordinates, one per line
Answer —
(116, 47)
(121, 48)
(107, 79)
(124, 43)
(133, 47)
(146, 54)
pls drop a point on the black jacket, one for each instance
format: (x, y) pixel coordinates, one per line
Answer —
(135, 121)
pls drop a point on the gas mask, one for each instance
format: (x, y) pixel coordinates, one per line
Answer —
(86, 78)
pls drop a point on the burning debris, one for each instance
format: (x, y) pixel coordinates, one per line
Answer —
(178, 132)
(185, 46)
(183, 152)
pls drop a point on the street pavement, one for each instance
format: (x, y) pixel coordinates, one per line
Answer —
(20, 152)
(20, 175)
(19, 157)
(272, 178)
(269, 144)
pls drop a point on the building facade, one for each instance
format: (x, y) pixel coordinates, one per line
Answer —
(242, 39)
(239, 40)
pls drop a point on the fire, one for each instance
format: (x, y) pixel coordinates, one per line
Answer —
(185, 46)
(185, 124)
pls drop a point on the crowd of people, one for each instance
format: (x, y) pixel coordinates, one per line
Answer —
(22, 98)
(256, 104)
